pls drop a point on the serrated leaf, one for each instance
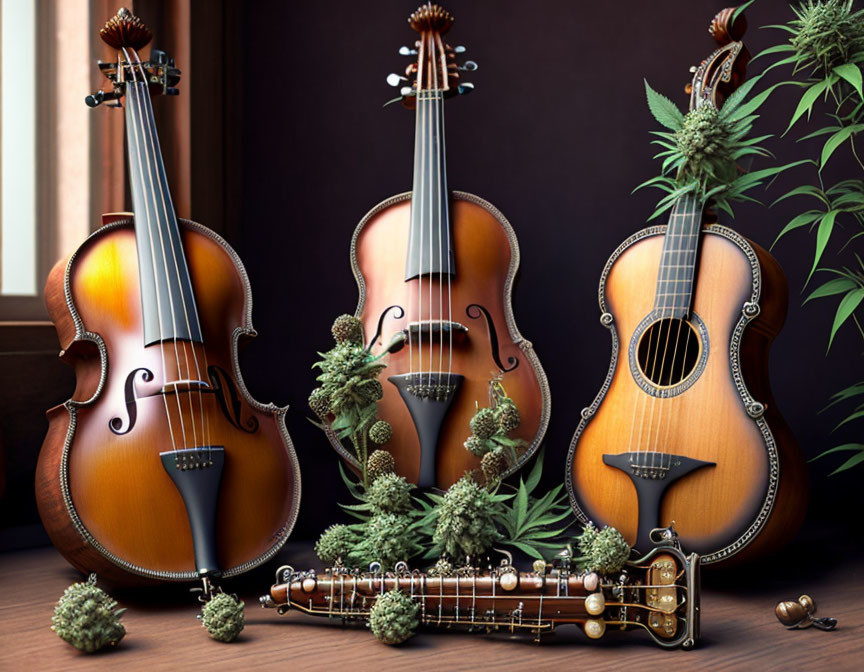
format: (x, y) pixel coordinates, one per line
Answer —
(664, 110)
(752, 105)
(776, 49)
(852, 74)
(823, 234)
(847, 306)
(803, 190)
(535, 473)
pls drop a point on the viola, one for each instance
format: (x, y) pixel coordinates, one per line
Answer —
(161, 466)
(659, 594)
(436, 268)
(684, 427)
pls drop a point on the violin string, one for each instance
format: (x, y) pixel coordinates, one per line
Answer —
(440, 201)
(433, 196)
(421, 112)
(446, 192)
(137, 142)
(675, 237)
(168, 212)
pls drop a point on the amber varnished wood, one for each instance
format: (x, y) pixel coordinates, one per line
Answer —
(483, 253)
(117, 490)
(711, 507)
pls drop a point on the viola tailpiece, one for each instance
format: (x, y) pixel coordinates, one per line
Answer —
(447, 296)
(161, 466)
(658, 594)
(675, 432)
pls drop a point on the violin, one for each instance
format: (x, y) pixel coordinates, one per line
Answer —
(161, 466)
(435, 270)
(684, 427)
(658, 593)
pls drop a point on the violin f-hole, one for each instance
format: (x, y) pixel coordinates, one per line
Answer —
(116, 423)
(474, 311)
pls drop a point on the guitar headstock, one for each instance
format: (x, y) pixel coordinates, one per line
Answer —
(434, 72)
(725, 69)
(127, 34)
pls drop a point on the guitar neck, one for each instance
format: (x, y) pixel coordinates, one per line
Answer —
(655, 594)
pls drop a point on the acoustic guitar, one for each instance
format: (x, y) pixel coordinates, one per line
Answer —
(684, 427)
(437, 269)
(161, 466)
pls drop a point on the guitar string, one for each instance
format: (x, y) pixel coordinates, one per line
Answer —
(168, 211)
(642, 400)
(442, 181)
(431, 198)
(679, 250)
(693, 222)
(137, 143)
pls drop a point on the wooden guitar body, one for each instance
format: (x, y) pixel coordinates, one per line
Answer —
(106, 499)
(479, 297)
(751, 494)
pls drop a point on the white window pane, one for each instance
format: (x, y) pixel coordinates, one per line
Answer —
(18, 147)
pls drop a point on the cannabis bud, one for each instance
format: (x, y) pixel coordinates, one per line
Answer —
(388, 539)
(826, 33)
(334, 544)
(476, 445)
(493, 465)
(393, 617)
(347, 329)
(380, 462)
(466, 523)
(371, 390)
(703, 141)
(484, 424)
(87, 617)
(319, 402)
(222, 615)
(508, 415)
(604, 551)
(442, 567)
(390, 493)
(380, 432)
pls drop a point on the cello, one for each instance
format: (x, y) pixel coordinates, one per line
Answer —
(684, 427)
(161, 466)
(436, 269)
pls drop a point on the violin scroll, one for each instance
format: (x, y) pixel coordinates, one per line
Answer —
(725, 69)
(726, 27)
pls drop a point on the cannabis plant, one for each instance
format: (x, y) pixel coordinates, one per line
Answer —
(824, 51)
(347, 397)
(701, 150)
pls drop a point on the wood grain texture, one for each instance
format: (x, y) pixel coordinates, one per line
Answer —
(119, 489)
(739, 630)
(713, 506)
(483, 254)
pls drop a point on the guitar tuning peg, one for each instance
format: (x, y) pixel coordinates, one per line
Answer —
(407, 51)
(395, 80)
(468, 66)
(466, 87)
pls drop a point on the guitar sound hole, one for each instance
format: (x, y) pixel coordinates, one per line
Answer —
(668, 352)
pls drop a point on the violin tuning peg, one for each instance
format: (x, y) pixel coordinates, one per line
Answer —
(407, 51)
(406, 91)
(469, 66)
(465, 87)
(158, 56)
(459, 49)
(395, 80)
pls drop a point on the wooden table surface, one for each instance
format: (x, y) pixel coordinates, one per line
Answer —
(739, 630)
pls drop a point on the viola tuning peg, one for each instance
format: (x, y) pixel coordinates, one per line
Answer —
(468, 66)
(407, 51)
(466, 87)
(395, 80)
